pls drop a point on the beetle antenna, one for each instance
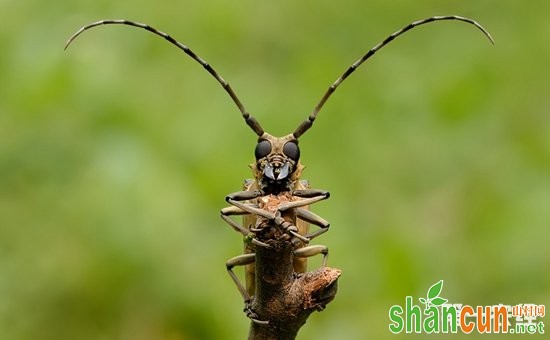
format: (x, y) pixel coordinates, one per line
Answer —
(251, 121)
(304, 126)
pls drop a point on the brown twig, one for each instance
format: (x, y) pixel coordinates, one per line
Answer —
(283, 297)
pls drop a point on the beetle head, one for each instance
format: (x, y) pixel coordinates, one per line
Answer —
(277, 165)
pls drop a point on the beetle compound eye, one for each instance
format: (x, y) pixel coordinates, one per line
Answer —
(291, 150)
(263, 148)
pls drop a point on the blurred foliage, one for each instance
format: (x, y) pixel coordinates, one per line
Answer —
(116, 155)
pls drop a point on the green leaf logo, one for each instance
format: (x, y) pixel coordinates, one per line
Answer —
(438, 301)
(434, 290)
(432, 298)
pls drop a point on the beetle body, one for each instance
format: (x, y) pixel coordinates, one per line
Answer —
(276, 200)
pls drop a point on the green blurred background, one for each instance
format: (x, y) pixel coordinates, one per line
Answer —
(116, 155)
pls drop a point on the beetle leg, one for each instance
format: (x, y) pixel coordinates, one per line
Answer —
(236, 226)
(243, 195)
(307, 193)
(313, 218)
(243, 260)
(252, 315)
(233, 211)
(310, 196)
(302, 238)
(251, 209)
(310, 251)
(240, 260)
(246, 233)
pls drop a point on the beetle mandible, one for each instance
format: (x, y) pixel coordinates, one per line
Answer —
(277, 170)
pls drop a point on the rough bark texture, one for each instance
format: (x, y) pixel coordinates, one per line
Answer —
(283, 297)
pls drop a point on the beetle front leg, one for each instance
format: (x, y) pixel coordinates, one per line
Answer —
(250, 209)
(244, 195)
(309, 196)
(308, 193)
(240, 208)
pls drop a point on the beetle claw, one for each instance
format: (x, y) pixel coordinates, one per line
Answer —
(300, 237)
(256, 242)
(252, 315)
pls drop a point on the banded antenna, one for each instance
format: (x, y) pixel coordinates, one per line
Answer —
(305, 125)
(250, 120)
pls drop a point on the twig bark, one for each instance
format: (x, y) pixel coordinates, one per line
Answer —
(283, 297)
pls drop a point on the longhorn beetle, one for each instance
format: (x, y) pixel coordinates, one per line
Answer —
(277, 172)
